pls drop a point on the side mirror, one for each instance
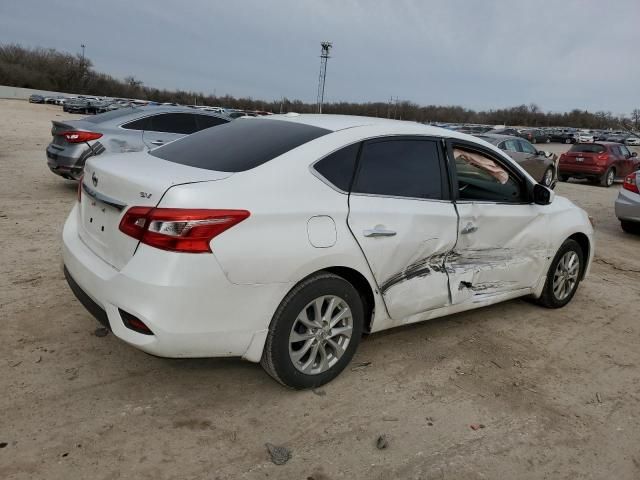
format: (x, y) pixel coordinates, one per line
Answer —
(542, 195)
(545, 154)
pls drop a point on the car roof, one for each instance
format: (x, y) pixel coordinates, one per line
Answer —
(336, 123)
(497, 137)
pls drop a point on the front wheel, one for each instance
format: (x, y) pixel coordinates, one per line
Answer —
(314, 333)
(563, 276)
(568, 140)
(547, 178)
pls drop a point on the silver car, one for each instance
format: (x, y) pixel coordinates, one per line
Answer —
(628, 203)
(129, 129)
(541, 165)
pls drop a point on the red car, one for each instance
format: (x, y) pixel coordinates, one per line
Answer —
(599, 162)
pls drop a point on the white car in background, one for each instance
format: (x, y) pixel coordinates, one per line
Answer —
(282, 239)
(632, 140)
(586, 137)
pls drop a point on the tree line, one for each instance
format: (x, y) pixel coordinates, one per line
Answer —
(49, 69)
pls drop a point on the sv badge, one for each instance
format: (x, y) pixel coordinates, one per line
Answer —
(145, 195)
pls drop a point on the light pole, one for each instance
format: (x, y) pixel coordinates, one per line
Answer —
(324, 56)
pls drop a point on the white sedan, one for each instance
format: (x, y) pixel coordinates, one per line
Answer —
(282, 240)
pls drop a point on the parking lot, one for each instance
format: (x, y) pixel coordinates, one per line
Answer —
(512, 390)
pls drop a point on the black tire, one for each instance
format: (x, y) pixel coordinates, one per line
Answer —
(548, 298)
(275, 357)
(564, 178)
(544, 176)
(607, 179)
(630, 227)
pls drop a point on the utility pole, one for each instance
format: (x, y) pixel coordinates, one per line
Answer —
(324, 56)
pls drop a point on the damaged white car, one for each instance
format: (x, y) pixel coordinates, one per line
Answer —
(282, 239)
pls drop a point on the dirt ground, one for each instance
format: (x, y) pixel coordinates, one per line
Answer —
(557, 391)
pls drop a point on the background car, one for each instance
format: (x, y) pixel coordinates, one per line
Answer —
(586, 137)
(632, 140)
(540, 165)
(127, 129)
(563, 136)
(323, 227)
(35, 98)
(601, 162)
(534, 135)
(628, 203)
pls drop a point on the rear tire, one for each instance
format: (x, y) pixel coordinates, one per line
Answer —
(564, 276)
(567, 141)
(564, 178)
(300, 351)
(630, 227)
(607, 179)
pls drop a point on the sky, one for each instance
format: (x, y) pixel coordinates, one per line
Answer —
(480, 54)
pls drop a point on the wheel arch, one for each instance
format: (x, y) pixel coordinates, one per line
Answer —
(362, 285)
(585, 245)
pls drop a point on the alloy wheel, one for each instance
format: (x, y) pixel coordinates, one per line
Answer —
(548, 178)
(320, 334)
(565, 277)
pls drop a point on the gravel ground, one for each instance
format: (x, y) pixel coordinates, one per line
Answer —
(549, 393)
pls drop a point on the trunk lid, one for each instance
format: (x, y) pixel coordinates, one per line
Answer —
(114, 183)
(585, 154)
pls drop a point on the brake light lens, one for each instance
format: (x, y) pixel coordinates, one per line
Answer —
(603, 158)
(77, 136)
(631, 183)
(179, 229)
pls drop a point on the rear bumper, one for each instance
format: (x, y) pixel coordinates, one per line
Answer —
(185, 299)
(580, 169)
(628, 206)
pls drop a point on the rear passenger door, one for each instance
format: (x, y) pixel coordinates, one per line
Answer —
(404, 221)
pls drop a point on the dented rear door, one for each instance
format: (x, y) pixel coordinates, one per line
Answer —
(402, 218)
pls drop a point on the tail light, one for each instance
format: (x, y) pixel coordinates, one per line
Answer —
(602, 159)
(77, 136)
(631, 182)
(179, 229)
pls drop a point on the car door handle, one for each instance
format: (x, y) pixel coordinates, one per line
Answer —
(379, 231)
(469, 228)
(157, 142)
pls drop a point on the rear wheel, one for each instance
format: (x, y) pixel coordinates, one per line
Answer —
(567, 140)
(564, 178)
(314, 333)
(607, 179)
(563, 276)
(630, 227)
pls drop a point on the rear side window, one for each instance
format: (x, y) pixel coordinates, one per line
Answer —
(140, 124)
(338, 168)
(587, 148)
(184, 123)
(400, 168)
(527, 147)
(208, 121)
(239, 145)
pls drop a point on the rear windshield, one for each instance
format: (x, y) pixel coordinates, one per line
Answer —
(239, 145)
(587, 148)
(103, 117)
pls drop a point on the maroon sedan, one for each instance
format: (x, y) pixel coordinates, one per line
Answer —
(599, 162)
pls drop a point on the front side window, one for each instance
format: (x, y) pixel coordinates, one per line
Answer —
(481, 178)
(400, 168)
(510, 146)
(527, 147)
(625, 151)
(208, 121)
